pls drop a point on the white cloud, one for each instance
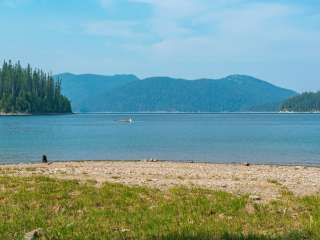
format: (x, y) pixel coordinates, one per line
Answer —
(230, 28)
(240, 34)
(251, 30)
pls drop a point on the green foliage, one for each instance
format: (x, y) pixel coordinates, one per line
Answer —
(87, 90)
(306, 102)
(24, 90)
(236, 93)
(126, 93)
(81, 210)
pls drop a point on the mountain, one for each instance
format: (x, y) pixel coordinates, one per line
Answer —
(86, 89)
(305, 102)
(126, 93)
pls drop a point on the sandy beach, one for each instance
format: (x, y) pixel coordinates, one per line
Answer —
(264, 182)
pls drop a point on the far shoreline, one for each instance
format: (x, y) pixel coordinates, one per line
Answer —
(193, 113)
(3, 114)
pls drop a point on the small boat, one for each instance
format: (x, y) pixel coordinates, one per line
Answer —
(129, 120)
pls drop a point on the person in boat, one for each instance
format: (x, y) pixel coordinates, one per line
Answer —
(129, 120)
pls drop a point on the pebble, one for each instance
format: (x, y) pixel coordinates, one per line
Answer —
(255, 197)
(34, 234)
(152, 160)
(245, 178)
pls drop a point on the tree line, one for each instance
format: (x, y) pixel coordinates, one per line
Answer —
(27, 90)
(306, 102)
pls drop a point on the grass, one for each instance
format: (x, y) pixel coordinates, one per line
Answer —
(73, 210)
(275, 182)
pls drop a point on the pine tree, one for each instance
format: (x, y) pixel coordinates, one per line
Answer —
(25, 90)
(306, 102)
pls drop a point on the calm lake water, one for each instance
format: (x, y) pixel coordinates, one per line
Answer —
(259, 138)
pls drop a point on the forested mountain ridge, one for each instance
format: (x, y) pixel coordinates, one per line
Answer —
(305, 102)
(25, 90)
(85, 90)
(130, 94)
(235, 93)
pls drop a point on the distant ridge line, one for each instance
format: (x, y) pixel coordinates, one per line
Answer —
(128, 93)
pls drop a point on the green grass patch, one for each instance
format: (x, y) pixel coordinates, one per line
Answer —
(73, 210)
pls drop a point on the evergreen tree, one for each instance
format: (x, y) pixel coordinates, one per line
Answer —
(24, 90)
(306, 102)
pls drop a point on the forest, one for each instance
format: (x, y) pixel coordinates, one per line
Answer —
(27, 90)
(128, 93)
(305, 102)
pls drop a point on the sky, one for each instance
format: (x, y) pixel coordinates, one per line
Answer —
(274, 40)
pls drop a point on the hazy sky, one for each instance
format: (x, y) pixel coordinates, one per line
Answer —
(276, 40)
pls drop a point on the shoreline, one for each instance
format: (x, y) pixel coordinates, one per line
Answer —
(271, 164)
(32, 114)
(158, 113)
(15, 114)
(267, 182)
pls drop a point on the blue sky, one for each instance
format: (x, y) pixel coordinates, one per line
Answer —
(278, 41)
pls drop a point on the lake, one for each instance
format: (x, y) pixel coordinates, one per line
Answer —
(221, 138)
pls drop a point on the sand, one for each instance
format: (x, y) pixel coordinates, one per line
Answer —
(263, 182)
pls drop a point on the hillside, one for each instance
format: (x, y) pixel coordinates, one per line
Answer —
(306, 102)
(85, 90)
(230, 94)
(126, 93)
(25, 90)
